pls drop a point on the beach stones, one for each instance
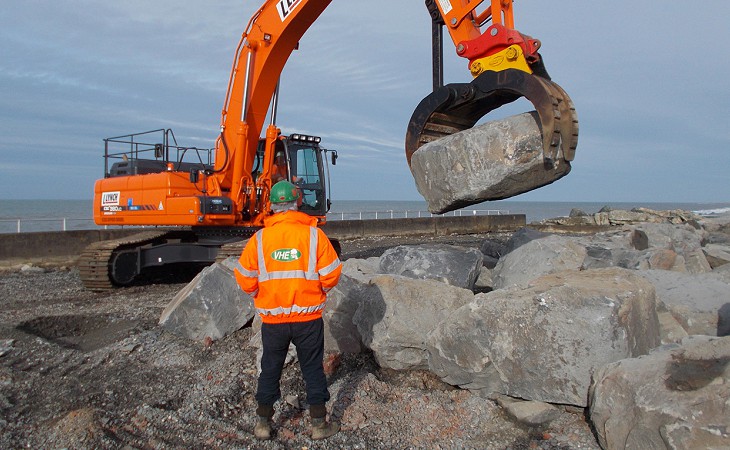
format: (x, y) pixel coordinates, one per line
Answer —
(493, 161)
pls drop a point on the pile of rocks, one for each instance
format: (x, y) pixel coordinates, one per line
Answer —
(612, 217)
(631, 324)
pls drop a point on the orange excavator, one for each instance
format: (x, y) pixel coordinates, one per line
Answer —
(200, 200)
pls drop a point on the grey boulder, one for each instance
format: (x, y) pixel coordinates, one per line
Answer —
(396, 314)
(693, 300)
(497, 160)
(453, 265)
(676, 397)
(211, 306)
(543, 342)
(537, 257)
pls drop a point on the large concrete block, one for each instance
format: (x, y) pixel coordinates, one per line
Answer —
(497, 160)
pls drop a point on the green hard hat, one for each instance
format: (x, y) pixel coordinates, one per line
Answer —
(284, 192)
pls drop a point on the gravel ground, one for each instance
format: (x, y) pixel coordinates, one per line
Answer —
(93, 370)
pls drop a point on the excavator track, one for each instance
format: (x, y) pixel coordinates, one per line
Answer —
(94, 261)
(230, 249)
(235, 249)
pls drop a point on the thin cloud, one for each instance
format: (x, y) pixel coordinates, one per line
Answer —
(74, 73)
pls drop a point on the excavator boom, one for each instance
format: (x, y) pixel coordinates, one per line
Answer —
(270, 37)
(505, 65)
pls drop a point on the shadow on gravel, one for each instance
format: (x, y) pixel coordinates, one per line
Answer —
(169, 274)
(78, 332)
(365, 253)
(354, 368)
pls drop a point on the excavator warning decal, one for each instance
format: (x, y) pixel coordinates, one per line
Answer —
(445, 6)
(285, 7)
(160, 208)
(141, 208)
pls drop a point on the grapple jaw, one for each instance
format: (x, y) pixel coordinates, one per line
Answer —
(459, 106)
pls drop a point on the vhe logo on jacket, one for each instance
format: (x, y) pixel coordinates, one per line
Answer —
(286, 254)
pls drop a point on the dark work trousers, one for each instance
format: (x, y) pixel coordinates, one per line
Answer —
(308, 337)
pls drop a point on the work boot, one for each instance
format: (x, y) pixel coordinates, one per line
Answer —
(321, 429)
(262, 430)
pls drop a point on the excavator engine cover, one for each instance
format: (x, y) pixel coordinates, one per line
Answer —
(457, 107)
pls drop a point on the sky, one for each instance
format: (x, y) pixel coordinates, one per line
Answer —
(648, 79)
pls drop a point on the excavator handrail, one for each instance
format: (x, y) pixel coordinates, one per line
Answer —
(163, 151)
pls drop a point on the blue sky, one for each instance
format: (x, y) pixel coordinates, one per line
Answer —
(649, 80)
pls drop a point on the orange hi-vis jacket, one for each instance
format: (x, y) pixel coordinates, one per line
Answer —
(288, 267)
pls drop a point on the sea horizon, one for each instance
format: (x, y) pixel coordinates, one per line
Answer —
(18, 215)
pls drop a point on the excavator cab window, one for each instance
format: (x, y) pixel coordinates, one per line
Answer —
(307, 171)
(280, 169)
(298, 159)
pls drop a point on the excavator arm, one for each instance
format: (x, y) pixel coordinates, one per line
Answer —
(505, 65)
(268, 40)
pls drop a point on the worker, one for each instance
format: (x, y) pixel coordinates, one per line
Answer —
(288, 267)
(280, 169)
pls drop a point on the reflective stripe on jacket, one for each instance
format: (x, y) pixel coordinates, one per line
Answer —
(288, 267)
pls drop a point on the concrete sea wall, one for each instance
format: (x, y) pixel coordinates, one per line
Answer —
(67, 245)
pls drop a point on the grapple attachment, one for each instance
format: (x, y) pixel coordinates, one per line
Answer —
(457, 107)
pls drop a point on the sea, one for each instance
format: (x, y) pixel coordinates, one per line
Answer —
(24, 216)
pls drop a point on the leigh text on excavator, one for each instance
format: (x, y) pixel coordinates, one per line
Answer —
(204, 200)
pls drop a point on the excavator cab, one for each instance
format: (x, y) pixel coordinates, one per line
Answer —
(300, 159)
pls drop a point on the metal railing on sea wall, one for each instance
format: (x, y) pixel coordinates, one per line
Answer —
(28, 225)
(33, 224)
(411, 214)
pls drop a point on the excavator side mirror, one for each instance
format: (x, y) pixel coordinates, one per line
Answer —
(334, 158)
(159, 153)
(194, 176)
